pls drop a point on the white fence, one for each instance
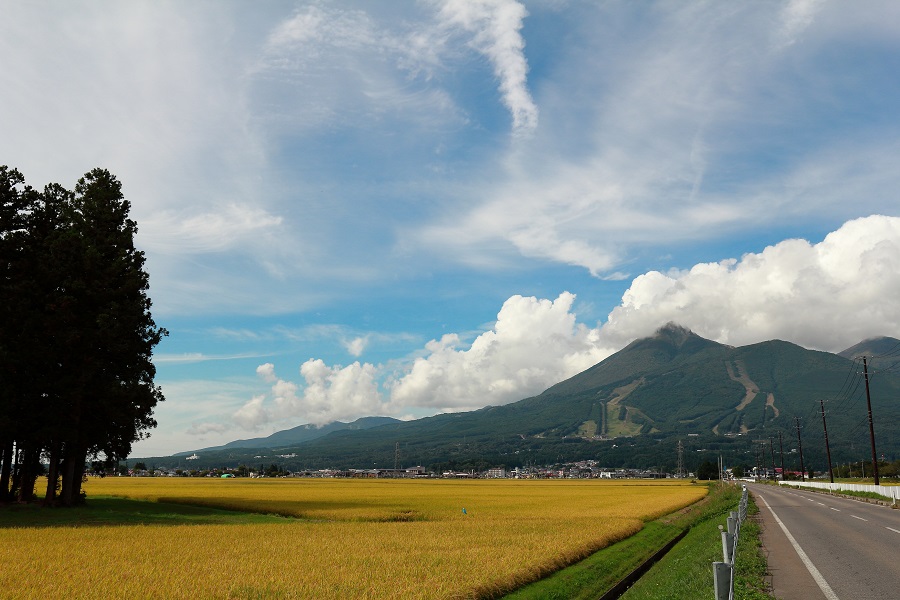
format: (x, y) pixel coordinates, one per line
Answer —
(890, 491)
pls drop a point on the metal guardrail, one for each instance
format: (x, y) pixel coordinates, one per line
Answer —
(723, 572)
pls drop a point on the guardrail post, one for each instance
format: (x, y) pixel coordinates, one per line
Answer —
(722, 580)
(727, 546)
(723, 572)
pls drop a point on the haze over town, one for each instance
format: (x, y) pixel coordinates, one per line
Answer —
(405, 208)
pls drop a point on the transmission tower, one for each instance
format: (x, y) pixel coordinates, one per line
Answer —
(396, 458)
(679, 470)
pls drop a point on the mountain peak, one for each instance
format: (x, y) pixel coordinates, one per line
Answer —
(674, 334)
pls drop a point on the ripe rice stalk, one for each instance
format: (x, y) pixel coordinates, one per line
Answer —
(345, 538)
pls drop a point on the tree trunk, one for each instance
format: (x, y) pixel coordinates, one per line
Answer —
(16, 472)
(30, 460)
(52, 475)
(68, 473)
(5, 470)
(79, 477)
(72, 472)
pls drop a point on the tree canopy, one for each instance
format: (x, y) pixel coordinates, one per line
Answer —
(76, 333)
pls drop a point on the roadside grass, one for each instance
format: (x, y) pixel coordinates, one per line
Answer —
(871, 495)
(752, 569)
(685, 573)
(599, 573)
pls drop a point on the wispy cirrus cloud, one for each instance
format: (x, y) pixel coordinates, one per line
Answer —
(495, 28)
(198, 357)
(656, 139)
(211, 232)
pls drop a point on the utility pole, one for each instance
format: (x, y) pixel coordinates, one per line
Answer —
(871, 426)
(827, 447)
(772, 452)
(800, 448)
(781, 447)
(679, 470)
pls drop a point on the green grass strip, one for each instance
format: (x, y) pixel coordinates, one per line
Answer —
(596, 575)
(685, 573)
(593, 576)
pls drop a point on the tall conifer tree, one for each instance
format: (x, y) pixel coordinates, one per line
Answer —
(76, 332)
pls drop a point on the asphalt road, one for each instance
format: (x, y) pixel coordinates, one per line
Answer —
(842, 549)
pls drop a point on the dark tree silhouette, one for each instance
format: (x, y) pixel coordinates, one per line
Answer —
(76, 375)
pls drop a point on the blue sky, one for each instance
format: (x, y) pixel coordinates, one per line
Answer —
(358, 208)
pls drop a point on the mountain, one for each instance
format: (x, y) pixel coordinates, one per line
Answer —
(873, 347)
(297, 435)
(632, 408)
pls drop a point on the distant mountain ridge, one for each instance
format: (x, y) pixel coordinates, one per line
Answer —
(630, 410)
(297, 435)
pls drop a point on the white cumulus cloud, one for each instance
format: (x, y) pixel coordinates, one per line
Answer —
(267, 372)
(336, 393)
(357, 345)
(827, 295)
(329, 393)
(534, 343)
(253, 414)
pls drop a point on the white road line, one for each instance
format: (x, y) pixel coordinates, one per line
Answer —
(860, 518)
(833, 508)
(820, 581)
(820, 503)
(892, 529)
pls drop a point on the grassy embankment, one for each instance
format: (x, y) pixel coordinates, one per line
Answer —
(685, 572)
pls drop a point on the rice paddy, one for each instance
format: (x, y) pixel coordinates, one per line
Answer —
(327, 538)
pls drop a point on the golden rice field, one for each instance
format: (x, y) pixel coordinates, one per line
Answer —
(345, 539)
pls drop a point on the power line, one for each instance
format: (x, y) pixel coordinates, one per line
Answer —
(894, 351)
